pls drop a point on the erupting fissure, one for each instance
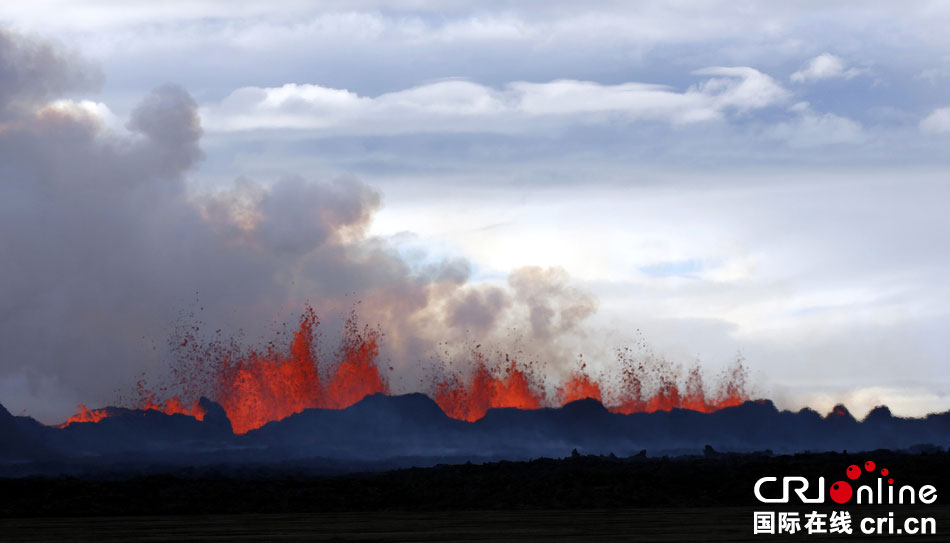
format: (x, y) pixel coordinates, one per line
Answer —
(257, 386)
(171, 406)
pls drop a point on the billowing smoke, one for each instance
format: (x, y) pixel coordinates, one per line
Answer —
(105, 244)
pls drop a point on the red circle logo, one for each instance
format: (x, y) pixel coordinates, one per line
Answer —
(840, 492)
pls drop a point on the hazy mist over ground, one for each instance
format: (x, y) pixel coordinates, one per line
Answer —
(707, 178)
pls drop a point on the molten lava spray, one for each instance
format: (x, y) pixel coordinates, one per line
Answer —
(508, 386)
(257, 386)
(579, 387)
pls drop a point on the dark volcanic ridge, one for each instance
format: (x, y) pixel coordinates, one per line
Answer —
(382, 432)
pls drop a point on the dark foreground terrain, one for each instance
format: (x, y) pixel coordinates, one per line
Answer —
(580, 498)
(665, 525)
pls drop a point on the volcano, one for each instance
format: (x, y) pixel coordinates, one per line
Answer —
(382, 430)
(295, 403)
(255, 386)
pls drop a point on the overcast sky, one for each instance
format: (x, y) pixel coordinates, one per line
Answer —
(717, 178)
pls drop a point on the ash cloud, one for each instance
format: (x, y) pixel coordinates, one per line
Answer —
(478, 309)
(105, 245)
(32, 71)
(555, 306)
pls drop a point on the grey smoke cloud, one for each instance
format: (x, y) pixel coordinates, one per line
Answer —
(105, 244)
(32, 70)
(169, 118)
(478, 309)
(555, 307)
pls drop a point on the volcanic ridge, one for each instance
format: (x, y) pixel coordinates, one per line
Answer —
(382, 431)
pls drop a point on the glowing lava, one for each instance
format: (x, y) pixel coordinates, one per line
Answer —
(86, 415)
(579, 387)
(172, 406)
(486, 389)
(257, 386)
(661, 379)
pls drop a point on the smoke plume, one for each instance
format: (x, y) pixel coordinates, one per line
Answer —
(105, 244)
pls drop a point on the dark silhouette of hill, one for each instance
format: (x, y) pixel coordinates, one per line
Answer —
(386, 431)
(376, 427)
(22, 439)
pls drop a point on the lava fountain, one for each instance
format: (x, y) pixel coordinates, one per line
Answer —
(255, 386)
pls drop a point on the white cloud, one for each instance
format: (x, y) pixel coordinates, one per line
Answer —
(810, 128)
(824, 66)
(938, 122)
(741, 88)
(457, 105)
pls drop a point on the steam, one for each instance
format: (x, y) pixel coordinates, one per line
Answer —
(105, 243)
(33, 71)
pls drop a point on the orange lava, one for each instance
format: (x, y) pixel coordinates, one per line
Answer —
(356, 375)
(840, 411)
(579, 387)
(666, 394)
(257, 386)
(172, 406)
(262, 387)
(85, 415)
(485, 389)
